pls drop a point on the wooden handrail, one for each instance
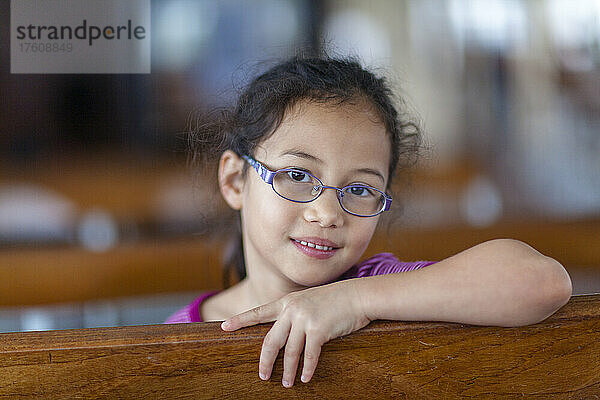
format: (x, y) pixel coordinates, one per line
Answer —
(52, 275)
(557, 358)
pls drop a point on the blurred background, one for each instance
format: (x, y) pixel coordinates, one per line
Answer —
(102, 223)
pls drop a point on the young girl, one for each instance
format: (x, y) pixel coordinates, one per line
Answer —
(307, 157)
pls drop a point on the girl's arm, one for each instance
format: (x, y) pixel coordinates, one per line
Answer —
(501, 282)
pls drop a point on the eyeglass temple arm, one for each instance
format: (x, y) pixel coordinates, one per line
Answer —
(388, 202)
(262, 171)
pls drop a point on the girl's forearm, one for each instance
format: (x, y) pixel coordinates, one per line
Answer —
(501, 282)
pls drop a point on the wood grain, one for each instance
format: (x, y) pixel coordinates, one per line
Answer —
(556, 359)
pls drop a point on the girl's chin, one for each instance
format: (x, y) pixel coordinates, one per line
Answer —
(311, 275)
(308, 283)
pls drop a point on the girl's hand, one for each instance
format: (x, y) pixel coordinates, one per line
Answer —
(305, 320)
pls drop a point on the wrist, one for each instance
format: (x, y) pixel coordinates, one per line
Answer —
(362, 297)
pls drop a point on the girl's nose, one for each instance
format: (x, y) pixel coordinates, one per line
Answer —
(325, 210)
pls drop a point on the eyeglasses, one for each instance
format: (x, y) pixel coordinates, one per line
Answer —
(302, 187)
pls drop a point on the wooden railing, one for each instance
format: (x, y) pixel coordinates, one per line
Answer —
(556, 359)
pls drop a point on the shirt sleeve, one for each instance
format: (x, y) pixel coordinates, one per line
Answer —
(382, 264)
(191, 312)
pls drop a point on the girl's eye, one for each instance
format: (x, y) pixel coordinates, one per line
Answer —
(360, 191)
(298, 176)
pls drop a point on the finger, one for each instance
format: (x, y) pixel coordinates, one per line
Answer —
(293, 350)
(265, 313)
(311, 357)
(272, 343)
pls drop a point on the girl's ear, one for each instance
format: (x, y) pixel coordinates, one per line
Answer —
(231, 180)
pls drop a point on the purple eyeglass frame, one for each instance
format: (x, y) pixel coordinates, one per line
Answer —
(267, 175)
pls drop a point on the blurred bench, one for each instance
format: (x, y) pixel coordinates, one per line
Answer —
(557, 358)
(131, 189)
(52, 275)
(573, 243)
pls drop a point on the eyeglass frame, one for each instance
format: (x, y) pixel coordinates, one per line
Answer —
(267, 175)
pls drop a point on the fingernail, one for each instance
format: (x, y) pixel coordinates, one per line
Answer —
(285, 383)
(262, 376)
(304, 379)
(225, 325)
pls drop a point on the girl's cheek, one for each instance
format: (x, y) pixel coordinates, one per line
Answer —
(364, 234)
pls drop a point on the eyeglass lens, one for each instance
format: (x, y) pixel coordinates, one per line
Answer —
(299, 186)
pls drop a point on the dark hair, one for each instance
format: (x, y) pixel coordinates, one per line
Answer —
(262, 106)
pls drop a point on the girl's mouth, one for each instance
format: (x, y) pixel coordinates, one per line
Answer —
(314, 250)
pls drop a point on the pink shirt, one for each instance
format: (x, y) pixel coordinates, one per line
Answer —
(379, 264)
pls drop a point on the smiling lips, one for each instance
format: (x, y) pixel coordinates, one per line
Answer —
(316, 247)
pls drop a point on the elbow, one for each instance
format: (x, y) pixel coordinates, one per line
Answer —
(545, 285)
(557, 288)
(552, 289)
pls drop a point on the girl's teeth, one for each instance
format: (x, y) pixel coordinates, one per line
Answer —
(309, 244)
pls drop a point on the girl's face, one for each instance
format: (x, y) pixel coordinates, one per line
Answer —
(338, 144)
